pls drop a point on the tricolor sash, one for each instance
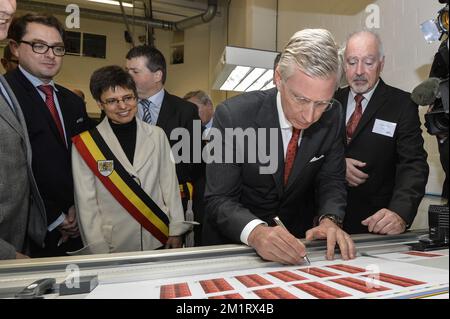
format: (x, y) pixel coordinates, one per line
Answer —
(103, 163)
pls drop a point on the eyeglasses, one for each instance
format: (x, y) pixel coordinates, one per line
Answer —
(127, 99)
(303, 102)
(42, 48)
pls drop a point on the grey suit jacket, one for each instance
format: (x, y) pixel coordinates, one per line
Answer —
(22, 212)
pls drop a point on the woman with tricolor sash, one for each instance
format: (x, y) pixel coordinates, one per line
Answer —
(126, 189)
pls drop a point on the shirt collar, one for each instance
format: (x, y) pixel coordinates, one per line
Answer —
(209, 124)
(367, 95)
(36, 81)
(158, 98)
(284, 123)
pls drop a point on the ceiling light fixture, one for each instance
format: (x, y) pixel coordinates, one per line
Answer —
(115, 3)
(245, 70)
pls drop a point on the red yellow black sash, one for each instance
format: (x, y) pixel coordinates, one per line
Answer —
(96, 153)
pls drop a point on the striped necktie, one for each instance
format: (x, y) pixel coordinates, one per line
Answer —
(146, 117)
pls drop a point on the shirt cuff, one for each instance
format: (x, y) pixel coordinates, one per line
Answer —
(57, 222)
(249, 228)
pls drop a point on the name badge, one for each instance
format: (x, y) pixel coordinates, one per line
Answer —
(384, 128)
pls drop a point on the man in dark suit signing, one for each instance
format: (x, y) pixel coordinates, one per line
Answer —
(301, 128)
(386, 163)
(53, 114)
(147, 66)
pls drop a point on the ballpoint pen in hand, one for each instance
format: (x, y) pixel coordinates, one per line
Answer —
(280, 223)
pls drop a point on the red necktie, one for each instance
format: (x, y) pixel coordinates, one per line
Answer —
(290, 154)
(48, 91)
(355, 118)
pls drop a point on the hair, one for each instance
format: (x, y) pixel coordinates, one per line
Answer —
(200, 95)
(374, 34)
(155, 59)
(313, 51)
(276, 61)
(7, 54)
(19, 25)
(110, 77)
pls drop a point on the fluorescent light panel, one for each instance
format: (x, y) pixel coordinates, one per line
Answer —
(262, 81)
(115, 3)
(249, 79)
(243, 70)
(235, 78)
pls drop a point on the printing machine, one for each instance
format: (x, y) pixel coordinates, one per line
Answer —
(15, 275)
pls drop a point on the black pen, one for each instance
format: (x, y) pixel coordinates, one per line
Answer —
(280, 223)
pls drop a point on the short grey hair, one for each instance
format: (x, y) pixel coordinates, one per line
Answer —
(372, 33)
(314, 52)
(200, 95)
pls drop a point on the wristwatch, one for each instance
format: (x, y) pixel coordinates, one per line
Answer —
(334, 218)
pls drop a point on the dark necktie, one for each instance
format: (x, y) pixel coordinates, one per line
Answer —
(291, 153)
(146, 117)
(355, 118)
(48, 91)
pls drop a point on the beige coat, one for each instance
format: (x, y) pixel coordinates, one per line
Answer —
(105, 226)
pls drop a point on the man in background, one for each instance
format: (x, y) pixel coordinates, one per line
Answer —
(147, 66)
(53, 116)
(387, 166)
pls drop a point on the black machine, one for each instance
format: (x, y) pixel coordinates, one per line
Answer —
(434, 92)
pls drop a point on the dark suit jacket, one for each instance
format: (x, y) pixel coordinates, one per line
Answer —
(397, 166)
(176, 113)
(51, 158)
(237, 193)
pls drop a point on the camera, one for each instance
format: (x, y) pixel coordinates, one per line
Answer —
(437, 118)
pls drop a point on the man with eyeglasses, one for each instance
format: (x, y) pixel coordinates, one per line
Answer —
(387, 166)
(53, 116)
(242, 202)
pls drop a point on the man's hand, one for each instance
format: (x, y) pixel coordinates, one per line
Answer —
(353, 175)
(385, 222)
(174, 242)
(333, 234)
(69, 227)
(277, 244)
(21, 256)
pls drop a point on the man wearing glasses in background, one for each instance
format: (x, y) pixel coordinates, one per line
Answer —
(241, 203)
(53, 115)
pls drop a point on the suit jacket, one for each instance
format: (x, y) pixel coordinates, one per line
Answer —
(105, 226)
(238, 193)
(178, 113)
(397, 166)
(51, 156)
(22, 212)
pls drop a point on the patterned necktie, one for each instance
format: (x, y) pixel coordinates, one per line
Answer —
(48, 91)
(146, 117)
(291, 153)
(355, 118)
